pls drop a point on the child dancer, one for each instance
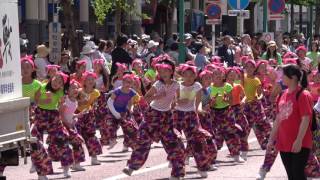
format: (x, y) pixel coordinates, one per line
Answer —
(186, 119)
(80, 69)
(43, 165)
(100, 108)
(47, 119)
(233, 75)
(204, 114)
(253, 108)
(117, 78)
(137, 68)
(158, 124)
(52, 70)
(223, 120)
(86, 125)
(120, 112)
(68, 108)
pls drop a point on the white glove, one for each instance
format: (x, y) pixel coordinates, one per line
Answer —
(112, 109)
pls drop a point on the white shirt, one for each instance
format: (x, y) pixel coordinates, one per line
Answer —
(164, 103)
(71, 107)
(89, 66)
(190, 93)
(41, 64)
(99, 82)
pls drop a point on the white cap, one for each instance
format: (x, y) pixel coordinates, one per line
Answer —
(91, 44)
(152, 43)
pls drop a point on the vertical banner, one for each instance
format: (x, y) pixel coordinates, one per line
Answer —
(10, 68)
(55, 41)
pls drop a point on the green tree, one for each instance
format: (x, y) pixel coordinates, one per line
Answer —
(104, 7)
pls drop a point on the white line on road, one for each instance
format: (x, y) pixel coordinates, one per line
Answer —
(160, 166)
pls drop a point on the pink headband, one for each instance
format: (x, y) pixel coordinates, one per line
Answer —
(29, 60)
(163, 57)
(163, 66)
(290, 61)
(98, 61)
(210, 65)
(216, 59)
(187, 67)
(236, 70)
(289, 54)
(251, 62)
(205, 73)
(129, 76)
(121, 66)
(244, 58)
(64, 77)
(301, 48)
(87, 74)
(261, 61)
(81, 62)
(136, 61)
(190, 63)
(73, 81)
(221, 69)
(51, 67)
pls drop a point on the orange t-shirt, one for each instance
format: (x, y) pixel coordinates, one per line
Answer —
(236, 94)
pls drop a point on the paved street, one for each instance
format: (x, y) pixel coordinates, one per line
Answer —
(156, 167)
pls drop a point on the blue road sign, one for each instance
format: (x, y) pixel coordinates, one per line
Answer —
(277, 6)
(238, 4)
(213, 11)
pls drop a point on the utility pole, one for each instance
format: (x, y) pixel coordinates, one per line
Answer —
(182, 52)
(265, 15)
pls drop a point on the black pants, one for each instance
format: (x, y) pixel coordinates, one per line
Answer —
(295, 163)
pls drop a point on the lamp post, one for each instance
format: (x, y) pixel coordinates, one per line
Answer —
(265, 15)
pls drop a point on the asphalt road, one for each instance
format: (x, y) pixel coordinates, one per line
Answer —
(156, 167)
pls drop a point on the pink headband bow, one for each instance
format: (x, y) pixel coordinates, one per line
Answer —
(121, 66)
(236, 70)
(64, 77)
(205, 73)
(290, 61)
(73, 81)
(164, 66)
(129, 77)
(251, 62)
(216, 59)
(98, 61)
(51, 67)
(136, 61)
(29, 60)
(81, 62)
(261, 61)
(87, 74)
(186, 67)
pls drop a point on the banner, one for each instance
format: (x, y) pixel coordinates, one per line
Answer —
(10, 68)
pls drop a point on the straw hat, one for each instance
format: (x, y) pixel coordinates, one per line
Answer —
(42, 51)
(272, 43)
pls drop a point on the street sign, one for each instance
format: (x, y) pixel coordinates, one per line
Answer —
(238, 4)
(276, 6)
(55, 41)
(213, 21)
(213, 11)
(268, 36)
(244, 13)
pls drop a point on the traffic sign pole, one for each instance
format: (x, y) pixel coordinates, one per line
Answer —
(213, 38)
(241, 23)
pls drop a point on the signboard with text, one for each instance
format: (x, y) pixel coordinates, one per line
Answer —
(275, 9)
(10, 67)
(214, 12)
(55, 41)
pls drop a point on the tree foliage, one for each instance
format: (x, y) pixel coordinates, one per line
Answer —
(103, 7)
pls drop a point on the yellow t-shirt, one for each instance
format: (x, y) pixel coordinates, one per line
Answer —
(250, 88)
(93, 96)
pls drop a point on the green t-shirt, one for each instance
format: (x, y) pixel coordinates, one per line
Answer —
(29, 90)
(314, 56)
(278, 58)
(55, 99)
(151, 74)
(219, 93)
